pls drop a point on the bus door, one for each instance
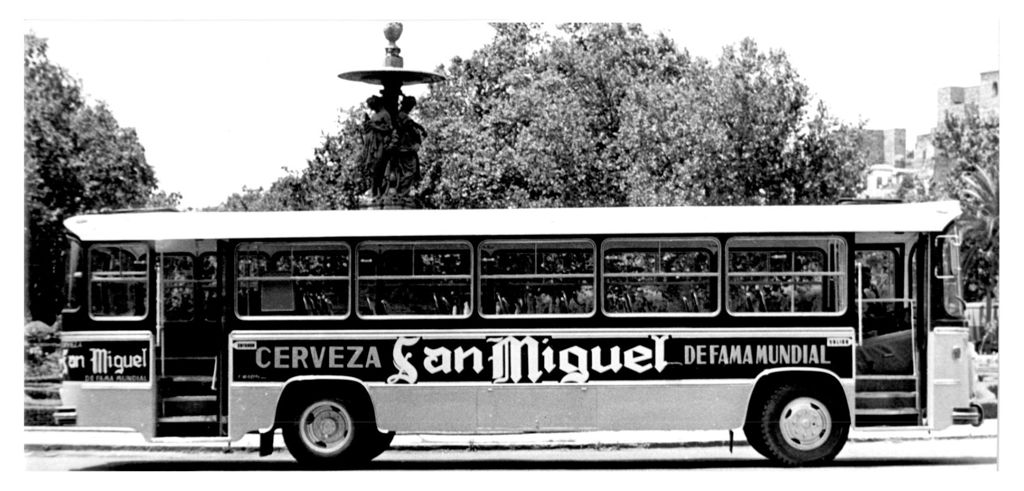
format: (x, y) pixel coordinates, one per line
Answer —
(189, 337)
(889, 389)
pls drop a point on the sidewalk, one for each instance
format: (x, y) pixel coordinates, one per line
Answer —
(71, 438)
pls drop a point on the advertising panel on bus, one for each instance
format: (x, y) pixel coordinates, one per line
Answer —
(526, 359)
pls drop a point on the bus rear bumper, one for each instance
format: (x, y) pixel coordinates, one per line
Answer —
(973, 415)
(65, 416)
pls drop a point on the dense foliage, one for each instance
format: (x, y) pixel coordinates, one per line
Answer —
(971, 145)
(77, 160)
(602, 115)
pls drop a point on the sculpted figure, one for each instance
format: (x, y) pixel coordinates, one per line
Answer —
(377, 136)
(410, 136)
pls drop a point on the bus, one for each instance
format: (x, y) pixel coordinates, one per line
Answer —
(794, 324)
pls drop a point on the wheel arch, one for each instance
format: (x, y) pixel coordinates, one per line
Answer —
(350, 388)
(822, 379)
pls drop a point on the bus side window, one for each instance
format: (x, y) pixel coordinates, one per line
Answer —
(291, 279)
(786, 275)
(543, 278)
(660, 276)
(118, 280)
(414, 279)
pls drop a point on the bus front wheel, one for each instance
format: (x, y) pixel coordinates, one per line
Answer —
(799, 426)
(325, 432)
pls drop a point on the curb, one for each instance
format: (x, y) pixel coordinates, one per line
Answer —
(223, 447)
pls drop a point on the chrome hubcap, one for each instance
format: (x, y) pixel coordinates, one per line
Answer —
(805, 423)
(326, 428)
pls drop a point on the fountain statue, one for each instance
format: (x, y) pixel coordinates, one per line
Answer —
(389, 160)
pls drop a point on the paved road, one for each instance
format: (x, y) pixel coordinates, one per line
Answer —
(918, 455)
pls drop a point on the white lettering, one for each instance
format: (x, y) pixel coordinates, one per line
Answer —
(762, 354)
(299, 354)
(574, 372)
(507, 360)
(615, 364)
(373, 357)
(462, 354)
(353, 361)
(406, 371)
(735, 354)
(280, 356)
(318, 356)
(262, 350)
(689, 354)
(336, 357)
(437, 360)
(659, 352)
(103, 361)
(637, 355)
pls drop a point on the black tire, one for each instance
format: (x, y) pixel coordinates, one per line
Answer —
(801, 427)
(327, 432)
(752, 431)
(380, 443)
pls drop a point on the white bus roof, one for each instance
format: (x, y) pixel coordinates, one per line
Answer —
(170, 225)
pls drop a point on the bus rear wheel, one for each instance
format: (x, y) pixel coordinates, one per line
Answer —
(326, 432)
(801, 427)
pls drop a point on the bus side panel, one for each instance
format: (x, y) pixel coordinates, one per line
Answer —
(461, 409)
(948, 374)
(109, 379)
(426, 408)
(111, 407)
(251, 407)
(712, 406)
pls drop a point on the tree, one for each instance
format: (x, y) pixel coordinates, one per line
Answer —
(77, 160)
(608, 115)
(971, 145)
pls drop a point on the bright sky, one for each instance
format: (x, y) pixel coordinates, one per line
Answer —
(224, 98)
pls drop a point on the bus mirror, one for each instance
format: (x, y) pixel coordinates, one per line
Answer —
(950, 267)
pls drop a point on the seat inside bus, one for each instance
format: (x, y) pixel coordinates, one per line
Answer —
(886, 354)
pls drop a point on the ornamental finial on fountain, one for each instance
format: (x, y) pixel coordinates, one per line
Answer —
(392, 32)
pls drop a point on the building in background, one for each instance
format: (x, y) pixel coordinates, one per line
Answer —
(981, 100)
(887, 161)
(887, 153)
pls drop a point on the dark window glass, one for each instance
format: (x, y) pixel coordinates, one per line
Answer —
(287, 279)
(537, 278)
(208, 292)
(179, 286)
(660, 276)
(414, 279)
(118, 278)
(786, 275)
(74, 268)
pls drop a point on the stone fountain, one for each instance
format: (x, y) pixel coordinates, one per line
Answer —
(391, 138)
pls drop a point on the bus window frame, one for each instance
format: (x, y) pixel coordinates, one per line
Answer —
(145, 282)
(383, 317)
(716, 262)
(594, 277)
(237, 279)
(797, 242)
